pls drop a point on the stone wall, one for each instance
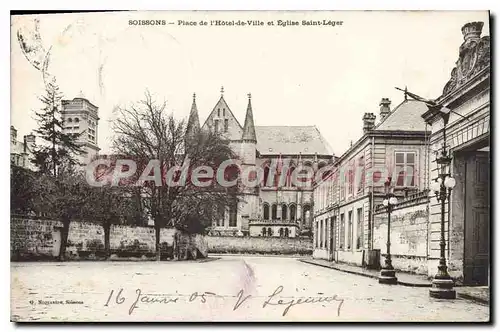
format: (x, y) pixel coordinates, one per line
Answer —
(84, 238)
(31, 238)
(409, 233)
(259, 245)
(38, 239)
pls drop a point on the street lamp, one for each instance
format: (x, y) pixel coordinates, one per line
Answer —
(388, 274)
(442, 284)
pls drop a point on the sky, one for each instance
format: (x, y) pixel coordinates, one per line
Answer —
(327, 76)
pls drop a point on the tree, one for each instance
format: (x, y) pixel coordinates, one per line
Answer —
(60, 148)
(146, 132)
(63, 187)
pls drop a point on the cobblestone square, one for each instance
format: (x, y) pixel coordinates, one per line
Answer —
(233, 288)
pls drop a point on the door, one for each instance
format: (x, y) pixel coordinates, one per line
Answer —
(477, 219)
(56, 243)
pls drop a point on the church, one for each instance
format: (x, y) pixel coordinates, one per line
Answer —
(273, 208)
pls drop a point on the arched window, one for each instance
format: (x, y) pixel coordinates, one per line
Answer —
(293, 209)
(77, 120)
(284, 212)
(263, 231)
(274, 212)
(266, 211)
(281, 232)
(70, 120)
(266, 175)
(290, 180)
(269, 231)
(287, 232)
(306, 215)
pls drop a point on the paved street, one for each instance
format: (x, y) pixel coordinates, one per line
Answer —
(193, 291)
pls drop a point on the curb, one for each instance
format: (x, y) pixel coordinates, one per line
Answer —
(402, 283)
(473, 298)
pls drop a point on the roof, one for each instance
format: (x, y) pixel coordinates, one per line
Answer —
(291, 140)
(407, 116)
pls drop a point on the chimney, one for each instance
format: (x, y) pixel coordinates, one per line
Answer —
(384, 108)
(368, 122)
(472, 31)
(29, 142)
(13, 134)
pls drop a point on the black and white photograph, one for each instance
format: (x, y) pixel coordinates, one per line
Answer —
(250, 166)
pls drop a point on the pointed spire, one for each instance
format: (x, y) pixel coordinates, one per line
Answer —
(193, 124)
(222, 91)
(249, 127)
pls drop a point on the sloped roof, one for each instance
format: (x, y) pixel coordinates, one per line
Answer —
(407, 116)
(291, 140)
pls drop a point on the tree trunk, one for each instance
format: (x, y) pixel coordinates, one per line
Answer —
(157, 238)
(107, 229)
(64, 238)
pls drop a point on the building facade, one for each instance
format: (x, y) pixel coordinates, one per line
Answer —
(392, 149)
(21, 152)
(467, 218)
(276, 207)
(350, 224)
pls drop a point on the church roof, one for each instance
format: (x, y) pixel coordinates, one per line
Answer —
(291, 140)
(407, 116)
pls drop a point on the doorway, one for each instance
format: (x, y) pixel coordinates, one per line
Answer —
(56, 242)
(476, 207)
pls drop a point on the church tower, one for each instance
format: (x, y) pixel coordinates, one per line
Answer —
(80, 116)
(249, 139)
(193, 124)
(248, 147)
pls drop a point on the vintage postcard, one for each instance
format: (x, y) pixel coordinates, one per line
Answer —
(250, 166)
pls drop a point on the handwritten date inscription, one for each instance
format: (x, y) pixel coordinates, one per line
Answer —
(273, 300)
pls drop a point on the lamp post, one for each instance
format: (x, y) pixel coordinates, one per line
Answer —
(388, 274)
(442, 284)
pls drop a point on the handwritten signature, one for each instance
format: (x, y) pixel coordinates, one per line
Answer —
(275, 299)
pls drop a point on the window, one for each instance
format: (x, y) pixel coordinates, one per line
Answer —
(77, 120)
(281, 232)
(290, 177)
(284, 212)
(233, 213)
(360, 230)
(269, 231)
(216, 125)
(223, 112)
(361, 165)
(350, 174)
(405, 168)
(226, 125)
(293, 208)
(218, 112)
(349, 230)
(287, 232)
(342, 232)
(70, 120)
(266, 175)
(266, 211)
(321, 233)
(221, 215)
(274, 212)
(264, 231)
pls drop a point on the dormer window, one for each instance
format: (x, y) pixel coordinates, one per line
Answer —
(77, 120)
(70, 120)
